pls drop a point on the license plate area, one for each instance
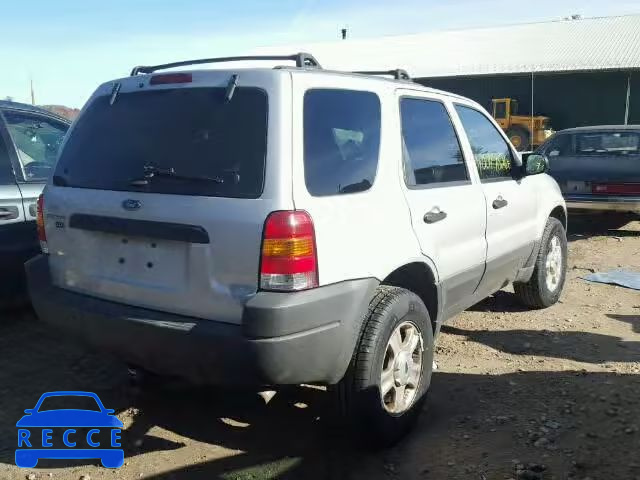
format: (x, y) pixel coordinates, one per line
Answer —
(136, 261)
(574, 186)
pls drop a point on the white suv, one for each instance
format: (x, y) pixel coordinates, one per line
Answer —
(287, 225)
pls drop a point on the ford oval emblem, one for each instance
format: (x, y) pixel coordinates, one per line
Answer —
(130, 204)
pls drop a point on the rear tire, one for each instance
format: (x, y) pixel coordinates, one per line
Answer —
(545, 285)
(381, 420)
(520, 138)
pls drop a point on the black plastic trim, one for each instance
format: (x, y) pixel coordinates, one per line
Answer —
(285, 339)
(398, 73)
(302, 60)
(140, 228)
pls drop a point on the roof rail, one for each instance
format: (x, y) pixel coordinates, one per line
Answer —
(398, 73)
(302, 60)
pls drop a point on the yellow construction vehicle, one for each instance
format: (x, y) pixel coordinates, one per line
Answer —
(525, 132)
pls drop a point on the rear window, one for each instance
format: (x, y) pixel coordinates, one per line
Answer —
(200, 143)
(341, 141)
(608, 143)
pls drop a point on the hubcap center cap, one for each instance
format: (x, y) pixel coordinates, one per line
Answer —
(554, 264)
(401, 369)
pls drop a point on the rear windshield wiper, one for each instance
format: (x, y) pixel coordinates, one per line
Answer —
(151, 172)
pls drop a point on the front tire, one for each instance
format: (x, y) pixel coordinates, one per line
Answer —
(384, 391)
(550, 272)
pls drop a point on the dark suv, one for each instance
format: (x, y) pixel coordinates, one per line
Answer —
(597, 168)
(30, 138)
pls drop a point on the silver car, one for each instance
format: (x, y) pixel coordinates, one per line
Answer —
(290, 225)
(30, 138)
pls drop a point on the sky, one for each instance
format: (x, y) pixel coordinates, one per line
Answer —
(69, 47)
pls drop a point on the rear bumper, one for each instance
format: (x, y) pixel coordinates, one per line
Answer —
(604, 203)
(285, 338)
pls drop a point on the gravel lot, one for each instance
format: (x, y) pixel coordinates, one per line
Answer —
(550, 394)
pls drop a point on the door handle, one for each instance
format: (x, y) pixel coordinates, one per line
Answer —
(8, 213)
(434, 215)
(499, 203)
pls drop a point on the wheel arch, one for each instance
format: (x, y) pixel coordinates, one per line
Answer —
(420, 278)
(560, 213)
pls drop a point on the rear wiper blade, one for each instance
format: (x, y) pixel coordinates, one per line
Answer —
(231, 88)
(151, 171)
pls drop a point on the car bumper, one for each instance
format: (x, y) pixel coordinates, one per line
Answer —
(284, 338)
(18, 243)
(605, 203)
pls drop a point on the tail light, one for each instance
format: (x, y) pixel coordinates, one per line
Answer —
(42, 235)
(616, 188)
(170, 78)
(289, 260)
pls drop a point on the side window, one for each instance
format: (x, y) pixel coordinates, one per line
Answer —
(37, 140)
(559, 146)
(491, 152)
(341, 141)
(431, 150)
(607, 143)
(6, 172)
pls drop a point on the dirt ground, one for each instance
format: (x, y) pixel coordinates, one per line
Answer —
(551, 394)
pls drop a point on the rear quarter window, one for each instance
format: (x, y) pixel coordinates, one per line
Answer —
(341, 141)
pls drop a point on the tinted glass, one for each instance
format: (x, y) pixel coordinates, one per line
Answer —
(501, 110)
(341, 141)
(37, 140)
(431, 150)
(6, 172)
(491, 152)
(608, 143)
(559, 146)
(194, 132)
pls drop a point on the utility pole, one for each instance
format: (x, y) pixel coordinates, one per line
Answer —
(33, 96)
(626, 107)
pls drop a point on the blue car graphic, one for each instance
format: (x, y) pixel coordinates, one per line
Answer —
(28, 457)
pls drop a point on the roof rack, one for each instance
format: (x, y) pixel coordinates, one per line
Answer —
(398, 73)
(302, 60)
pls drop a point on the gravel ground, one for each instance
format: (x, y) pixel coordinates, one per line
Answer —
(550, 394)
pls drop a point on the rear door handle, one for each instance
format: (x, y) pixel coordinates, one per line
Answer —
(499, 203)
(434, 215)
(8, 213)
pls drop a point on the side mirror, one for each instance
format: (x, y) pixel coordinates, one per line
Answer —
(29, 411)
(535, 164)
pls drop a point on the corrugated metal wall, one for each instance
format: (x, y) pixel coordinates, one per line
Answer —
(570, 99)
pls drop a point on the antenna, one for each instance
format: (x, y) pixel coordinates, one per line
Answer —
(33, 96)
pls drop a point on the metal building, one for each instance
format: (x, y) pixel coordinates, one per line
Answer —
(577, 72)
